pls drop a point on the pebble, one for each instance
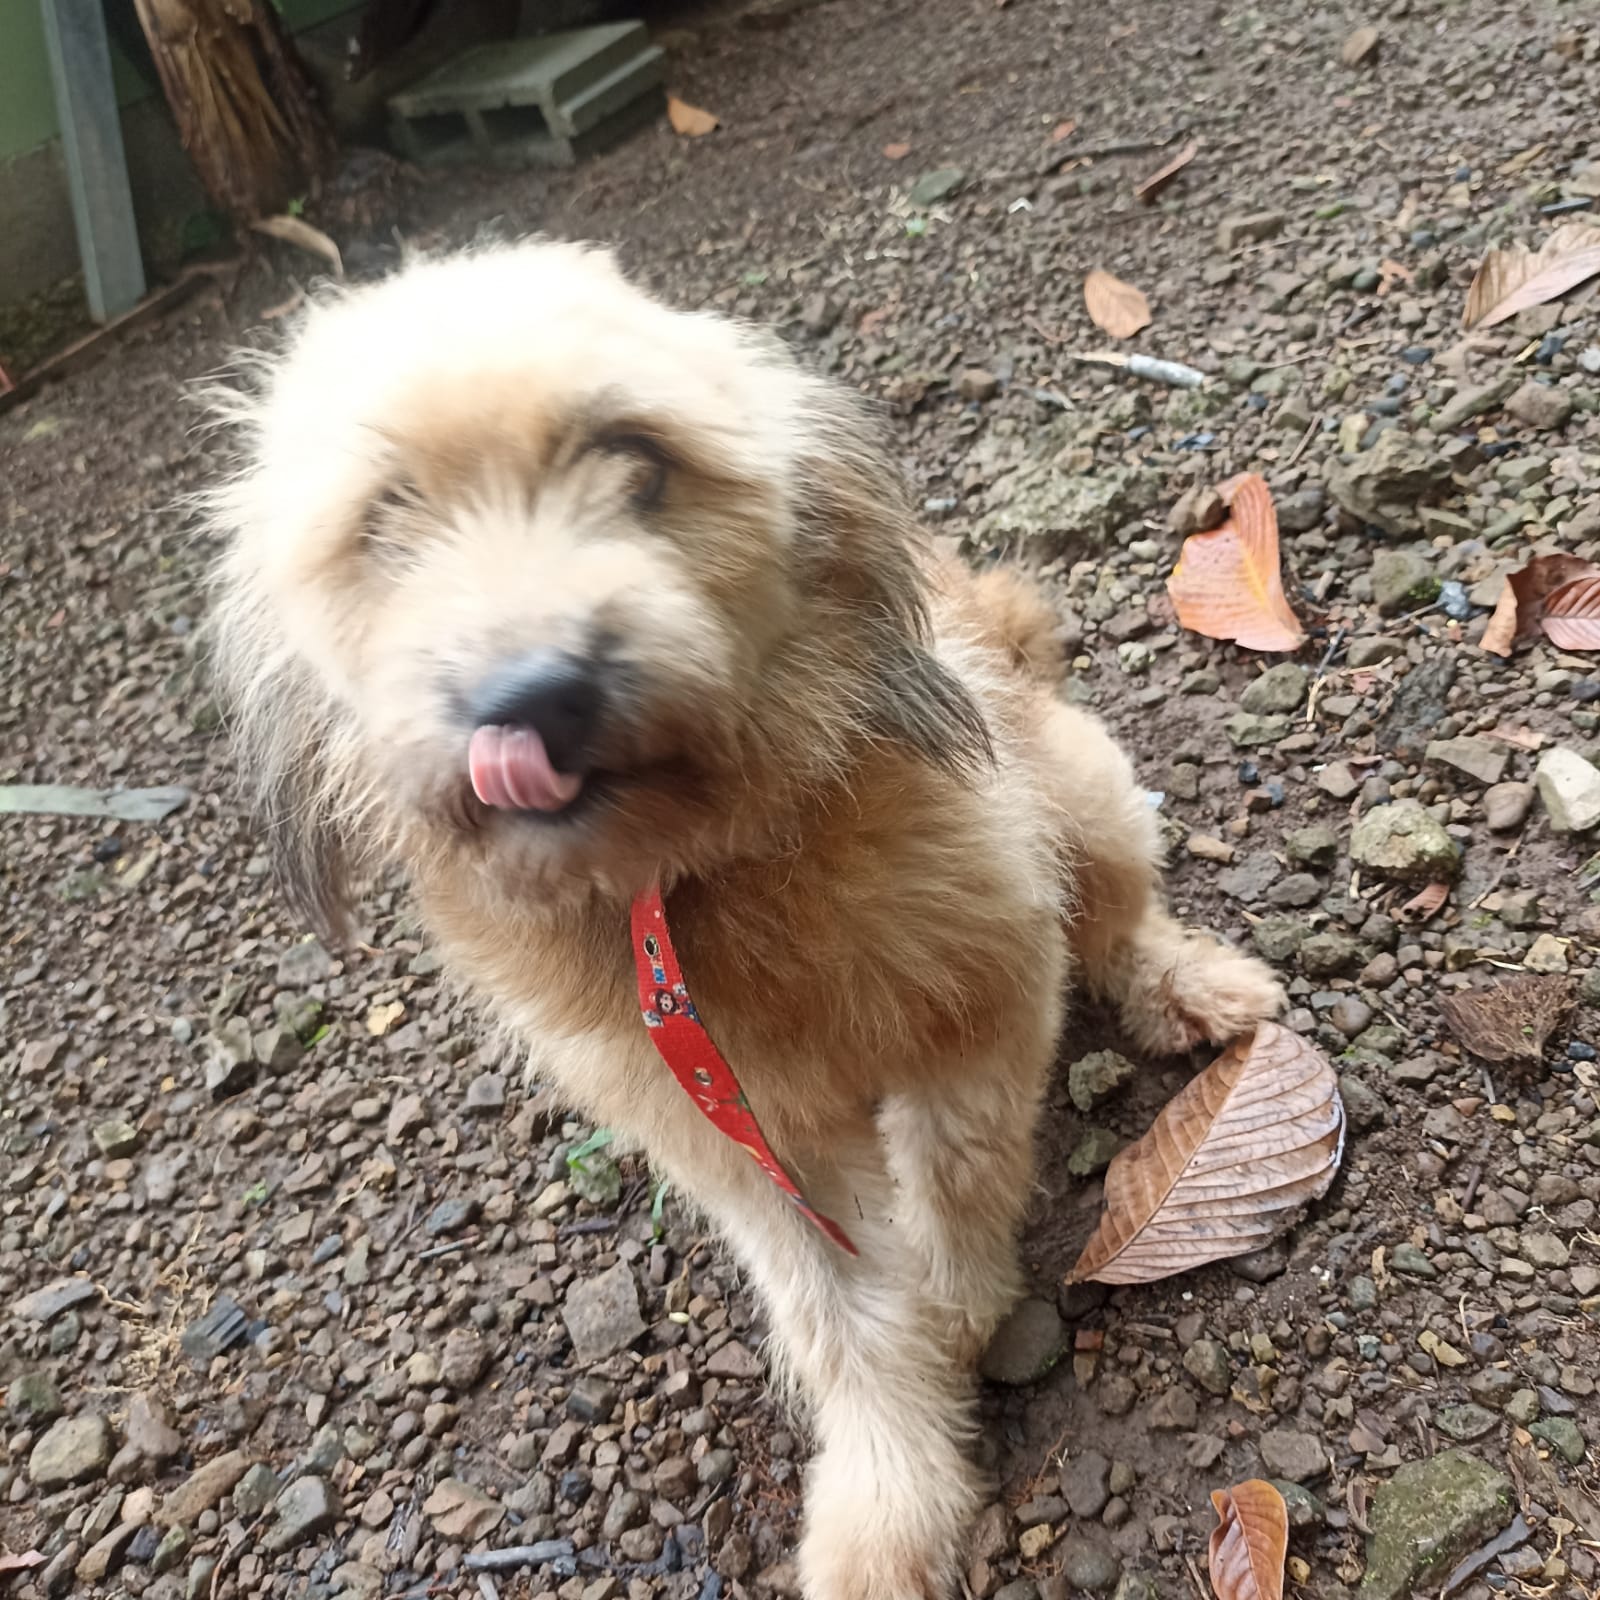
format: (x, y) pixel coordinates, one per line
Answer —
(1026, 1345)
(602, 1314)
(1291, 1454)
(1087, 1565)
(306, 1508)
(1505, 805)
(73, 1450)
(1569, 789)
(1086, 1484)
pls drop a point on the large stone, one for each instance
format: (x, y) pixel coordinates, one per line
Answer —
(75, 1450)
(1570, 789)
(1026, 1345)
(1094, 1078)
(1385, 485)
(1477, 758)
(1402, 580)
(1401, 840)
(602, 1314)
(1046, 511)
(1505, 805)
(1429, 1514)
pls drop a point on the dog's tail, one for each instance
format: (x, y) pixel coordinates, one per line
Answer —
(1015, 617)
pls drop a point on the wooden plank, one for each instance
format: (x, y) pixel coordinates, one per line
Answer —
(97, 169)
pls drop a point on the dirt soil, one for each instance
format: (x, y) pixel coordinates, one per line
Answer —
(286, 1249)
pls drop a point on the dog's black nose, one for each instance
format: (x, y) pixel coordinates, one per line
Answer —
(558, 696)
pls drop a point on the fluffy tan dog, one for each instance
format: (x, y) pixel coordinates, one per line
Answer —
(550, 593)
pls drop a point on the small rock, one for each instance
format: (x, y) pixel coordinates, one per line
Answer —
(1505, 806)
(116, 1138)
(602, 1314)
(1094, 1078)
(1477, 758)
(45, 1305)
(1541, 405)
(1248, 229)
(1570, 789)
(33, 1399)
(215, 1332)
(202, 1489)
(1093, 1152)
(306, 1508)
(486, 1094)
(1469, 403)
(1402, 840)
(1174, 1411)
(1206, 1361)
(1385, 485)
(1026, 1345)
(932, 187)
(75, 1450)
(1197, 510)
(1247, 730)
(1086, 1484)
(254, 1492)
(230, 1065)
(1407, 1258)
(105, 1555)
(976, 384)
(149, 1430)
(1402, 580)
(1360, 49)
(1315, 846)
(1087, 1565)
(1562, 1435)
(1463, 1423)
(463, 1361)
(1280, 688)
(1328, 955)
(304, 964)
(1547, 953)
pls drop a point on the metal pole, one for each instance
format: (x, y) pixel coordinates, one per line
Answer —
(97, 169)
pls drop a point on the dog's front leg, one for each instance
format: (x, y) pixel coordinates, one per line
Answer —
(891, 1491)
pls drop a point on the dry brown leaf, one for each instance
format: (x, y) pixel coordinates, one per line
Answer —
(1392, 272)
(298, 232)
(1117, 307)
(1063, 130)
(1522, 601)
(897, 151)
(1509, 1020)
(1157, 181)
(1426, 902)
(1250, 1543)
(1225, 1165)
(690, 121)
(1512, 279)
(1571, 619)
(1227, 583)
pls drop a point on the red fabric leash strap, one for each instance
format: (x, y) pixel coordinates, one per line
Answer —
(683, 1043)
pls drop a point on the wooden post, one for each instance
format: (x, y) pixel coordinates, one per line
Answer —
(97, 170)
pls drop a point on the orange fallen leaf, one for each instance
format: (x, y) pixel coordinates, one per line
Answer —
(1250, 1543)
(1117, 307)
(690, 121)
(1227, 583)
(1157, 181)
(1426, 902)
(1224, 1167)
(1525, 596)
(1571, 619)
(1063, 130)
(896, 152)
(1392, 272)
(1514, 278)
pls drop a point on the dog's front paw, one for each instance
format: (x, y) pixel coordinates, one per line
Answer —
(1211, 994)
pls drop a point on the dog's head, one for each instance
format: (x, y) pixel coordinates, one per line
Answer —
(527, 573)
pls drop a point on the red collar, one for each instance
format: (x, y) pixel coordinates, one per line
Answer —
(679, 1035)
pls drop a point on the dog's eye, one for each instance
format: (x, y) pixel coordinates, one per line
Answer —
(644, 464)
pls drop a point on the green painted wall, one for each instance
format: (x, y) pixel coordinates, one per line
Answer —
(27, 107)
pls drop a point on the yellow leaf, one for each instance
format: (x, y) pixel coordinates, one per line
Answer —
(690, 121)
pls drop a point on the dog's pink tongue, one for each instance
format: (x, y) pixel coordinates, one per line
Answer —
(511, 770)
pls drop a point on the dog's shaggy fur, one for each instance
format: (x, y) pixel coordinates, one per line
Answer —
(887, 846)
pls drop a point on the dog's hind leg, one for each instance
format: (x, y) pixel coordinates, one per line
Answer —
(891, 1490)
(1173, 986)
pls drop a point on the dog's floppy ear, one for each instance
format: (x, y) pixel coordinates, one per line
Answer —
(284, 740)
(866, 556)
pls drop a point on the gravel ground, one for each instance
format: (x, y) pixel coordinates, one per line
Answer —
(305, 1293)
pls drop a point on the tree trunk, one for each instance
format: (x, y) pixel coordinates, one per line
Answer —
(247, 110)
